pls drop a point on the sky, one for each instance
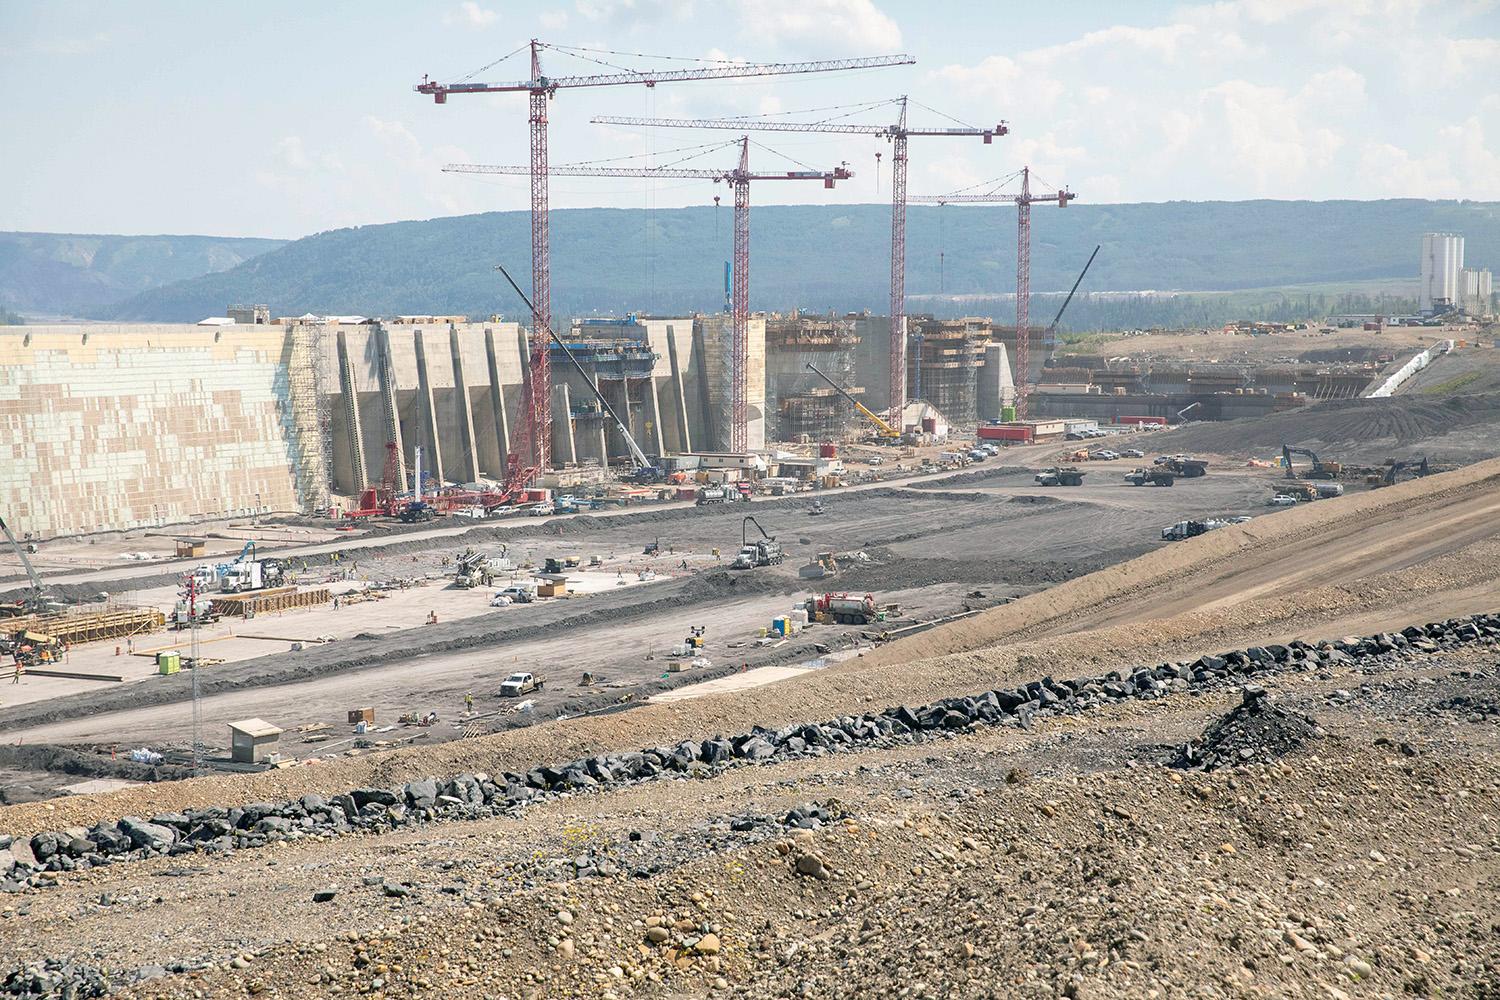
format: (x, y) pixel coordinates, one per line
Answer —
(283, 118)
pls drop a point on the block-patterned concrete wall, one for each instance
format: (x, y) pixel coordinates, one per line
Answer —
(111, 427)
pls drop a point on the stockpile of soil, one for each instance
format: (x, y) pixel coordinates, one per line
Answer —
(1461, 428)
(1257, 731)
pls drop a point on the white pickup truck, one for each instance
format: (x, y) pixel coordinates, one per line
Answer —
(520, 683)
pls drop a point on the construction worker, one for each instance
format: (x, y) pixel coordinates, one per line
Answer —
(468, 702)
(684, 564)
(16, 678)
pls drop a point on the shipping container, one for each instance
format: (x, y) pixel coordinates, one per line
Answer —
(1006, 432)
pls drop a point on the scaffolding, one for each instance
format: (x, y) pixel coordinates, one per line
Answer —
(310, 424)
(806, 408)
(261, 601)
(71, 627)
(946, 357)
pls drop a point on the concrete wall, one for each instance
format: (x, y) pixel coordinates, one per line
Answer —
(105, 427)
(712, 333)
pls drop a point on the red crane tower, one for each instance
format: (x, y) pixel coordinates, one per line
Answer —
(897, 134)
(1023, 203)
(538, 424)
(739, 178)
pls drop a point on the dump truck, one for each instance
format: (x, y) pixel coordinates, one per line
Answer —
(1186, 467)
(1061, 475)
(520, 683)
(716, 494)
(1191, 529)
(1150, 477)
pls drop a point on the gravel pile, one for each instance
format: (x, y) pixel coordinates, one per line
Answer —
(476, 795)
(1257, 731)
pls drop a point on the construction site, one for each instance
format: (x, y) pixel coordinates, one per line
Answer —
(749, 653)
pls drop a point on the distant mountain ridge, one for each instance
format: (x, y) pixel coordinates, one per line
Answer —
(823, 257)
(73, 274)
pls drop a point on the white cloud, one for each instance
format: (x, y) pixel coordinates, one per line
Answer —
(846, 25)
(1253, 98)
(471, 15)
(553, 20)
(634, 13)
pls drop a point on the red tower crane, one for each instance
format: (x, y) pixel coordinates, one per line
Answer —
(739, 178)
(1023, 203)
(897, 134)
(537, 425)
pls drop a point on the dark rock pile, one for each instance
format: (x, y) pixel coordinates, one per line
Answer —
(1256, 731)
(473, 796)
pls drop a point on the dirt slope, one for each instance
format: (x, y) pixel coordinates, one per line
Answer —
(1426, 542)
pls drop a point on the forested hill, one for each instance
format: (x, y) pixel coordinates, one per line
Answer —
(820, 258)
(71, 274)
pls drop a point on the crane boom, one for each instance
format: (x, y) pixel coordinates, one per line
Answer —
(533, 436)
(637, 456)
(650, 78)
(898, 132)
(885, 429)
(34, 599)
(754, 125)
(1023, 203)
(739, 178)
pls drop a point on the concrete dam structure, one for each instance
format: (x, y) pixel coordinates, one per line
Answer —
(257, 416)
(112, 427)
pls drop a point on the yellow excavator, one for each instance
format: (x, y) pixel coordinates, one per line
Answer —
(883, 430)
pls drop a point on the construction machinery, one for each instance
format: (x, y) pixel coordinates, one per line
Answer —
(534, 433)
(645, 470)
(1389, 479)
(1319, 469)
(30, 649)
(472, 570)
(883, 430)
(246, 572)
(1060, 475)
(1183, 530)
(764, 551)
(897, 134)
(738, 178)
(1150, 477)
(842, 609)
(32, 601)
(1020, 366)
(1184, 467)
(1049, 336)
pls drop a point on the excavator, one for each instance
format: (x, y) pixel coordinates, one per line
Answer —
(883, 430)
(1389, 479)
(1318, 470)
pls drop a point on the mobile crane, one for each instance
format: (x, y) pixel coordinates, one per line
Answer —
(33, 600)
(883, 430)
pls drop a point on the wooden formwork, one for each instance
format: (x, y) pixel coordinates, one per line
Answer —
(276, 599)
(93, 626)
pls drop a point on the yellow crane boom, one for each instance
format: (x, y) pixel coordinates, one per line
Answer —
(883, 429)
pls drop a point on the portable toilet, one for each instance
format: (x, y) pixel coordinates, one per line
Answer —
(168, 662)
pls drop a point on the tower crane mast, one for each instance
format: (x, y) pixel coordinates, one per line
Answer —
(739, 178)
(1023, 203)
(540, 88)
(897, 133)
